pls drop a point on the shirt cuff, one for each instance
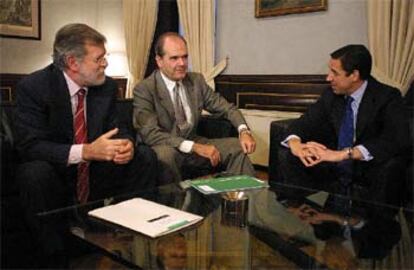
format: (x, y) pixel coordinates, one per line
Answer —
(241, 127)
(366, 155)
(186, 146)
(285, 141)
(359, 225)
(75, 154)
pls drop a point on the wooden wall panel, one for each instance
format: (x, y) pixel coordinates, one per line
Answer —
(272, 92)
(9, 81)
(264, 92)
(8, 84)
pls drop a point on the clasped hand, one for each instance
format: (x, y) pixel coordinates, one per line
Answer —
(312, 153)
(104, 148)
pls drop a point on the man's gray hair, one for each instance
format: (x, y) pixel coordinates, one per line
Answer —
(71, 40)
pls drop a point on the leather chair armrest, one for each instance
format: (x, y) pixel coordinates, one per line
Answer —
(277, 134)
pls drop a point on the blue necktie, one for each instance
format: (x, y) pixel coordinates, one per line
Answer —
(345, 139)
(346, 132)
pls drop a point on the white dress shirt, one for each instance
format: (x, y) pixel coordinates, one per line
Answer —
(75, 153)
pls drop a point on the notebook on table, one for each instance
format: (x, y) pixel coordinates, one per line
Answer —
(227, 184)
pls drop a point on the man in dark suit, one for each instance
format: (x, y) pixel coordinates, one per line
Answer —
(69, 136)
(168, 106)
(318, 158)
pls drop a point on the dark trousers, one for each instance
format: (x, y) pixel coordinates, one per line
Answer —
(45, 186)
(375, 185)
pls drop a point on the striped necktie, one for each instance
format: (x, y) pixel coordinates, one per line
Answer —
(81, 137)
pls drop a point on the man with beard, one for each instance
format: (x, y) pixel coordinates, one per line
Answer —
(73, 145)
(167, 108)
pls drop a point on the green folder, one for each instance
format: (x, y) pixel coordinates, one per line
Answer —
(226, 184)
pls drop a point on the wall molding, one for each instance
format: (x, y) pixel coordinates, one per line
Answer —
(272, 92)
(8, 83)
(262, 92)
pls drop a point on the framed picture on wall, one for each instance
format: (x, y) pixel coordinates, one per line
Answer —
(20, 19)
(265, 8)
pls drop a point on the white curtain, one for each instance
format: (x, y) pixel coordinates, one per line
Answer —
(140, 17)
(198, 20)
(391, 41)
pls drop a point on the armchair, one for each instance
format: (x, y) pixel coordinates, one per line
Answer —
(277, 134)
(403, 168)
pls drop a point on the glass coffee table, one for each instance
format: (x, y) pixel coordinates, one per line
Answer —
(256, 229)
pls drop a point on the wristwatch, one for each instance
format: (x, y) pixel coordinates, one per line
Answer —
(349, 151)
(244, 130)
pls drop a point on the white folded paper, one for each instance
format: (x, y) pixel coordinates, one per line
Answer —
(146, 217)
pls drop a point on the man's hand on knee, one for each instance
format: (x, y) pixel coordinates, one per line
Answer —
(208, 151)
(247, 142)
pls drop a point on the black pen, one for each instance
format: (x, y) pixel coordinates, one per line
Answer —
(157, 218)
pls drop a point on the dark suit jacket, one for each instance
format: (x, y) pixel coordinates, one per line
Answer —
(44, 121)
(154, 111)
(380, 126)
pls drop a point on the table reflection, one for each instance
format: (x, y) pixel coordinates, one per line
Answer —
(256, 229)
(172, 252)
(314, 227)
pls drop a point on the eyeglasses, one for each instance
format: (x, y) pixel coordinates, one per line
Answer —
(101, 59)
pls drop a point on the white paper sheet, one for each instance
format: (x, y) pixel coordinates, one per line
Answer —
(146, 217)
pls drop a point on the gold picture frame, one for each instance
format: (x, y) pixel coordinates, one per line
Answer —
(20, 19)
(265, 8)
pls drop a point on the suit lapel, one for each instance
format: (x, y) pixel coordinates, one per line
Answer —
(191, 98)
(93, 112)
(63, 106)
(338, 108)
(164, 95)
(366, 108)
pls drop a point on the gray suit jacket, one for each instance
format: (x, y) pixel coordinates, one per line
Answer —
(154, 112)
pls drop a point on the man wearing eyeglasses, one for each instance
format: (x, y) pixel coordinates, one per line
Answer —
(73, 145)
